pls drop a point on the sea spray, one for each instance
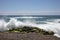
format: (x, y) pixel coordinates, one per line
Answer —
(14, 23)
(50, 26)
(3, 25)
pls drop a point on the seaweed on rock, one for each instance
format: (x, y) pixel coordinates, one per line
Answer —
(31, 29)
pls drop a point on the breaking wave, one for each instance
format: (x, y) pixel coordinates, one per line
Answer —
(29, 17)
(14, 23)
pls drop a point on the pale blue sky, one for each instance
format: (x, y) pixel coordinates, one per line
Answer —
(29, 7)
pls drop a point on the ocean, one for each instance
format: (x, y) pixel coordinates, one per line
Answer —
(46, 22)
(37, 18)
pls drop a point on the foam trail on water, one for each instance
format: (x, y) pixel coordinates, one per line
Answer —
(14, 23)
(54, 20)
(28, 17)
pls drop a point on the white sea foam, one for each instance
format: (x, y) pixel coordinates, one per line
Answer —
(54, 20)
(28, 17)
(14, 23)
(57, 20)
(50, 26)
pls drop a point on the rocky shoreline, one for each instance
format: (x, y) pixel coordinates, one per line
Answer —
(26, 36)
(27, 33)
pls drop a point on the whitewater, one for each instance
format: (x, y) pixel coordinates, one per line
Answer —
(50, 24)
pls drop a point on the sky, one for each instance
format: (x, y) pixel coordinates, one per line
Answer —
(29, 7)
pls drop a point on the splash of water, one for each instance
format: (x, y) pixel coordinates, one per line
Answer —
(14, 23)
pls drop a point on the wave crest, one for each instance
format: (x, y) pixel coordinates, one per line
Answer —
(14, 23)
